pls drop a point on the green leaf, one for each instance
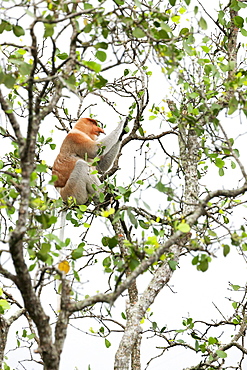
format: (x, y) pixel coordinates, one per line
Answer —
(235, 287)
(233, 105)
(133, 264)
(203, 266)
(101, 55)
(172, 264)
(132, 218)
(82, 207)
(241, 4)
(219, 162)
(77, 253)
(185, 228)
(202, 23)
(176, 18)
(244, 32)
(9, 80)
(184, 31)
(1, 82)
(197, 347)
(165, 27)
(143, 224)
(101, 45)
(221, 172)
(49, 29)
(226, 249)
(138, 32)
(105, 241)
(172, 2)
(123, 315)
(70, 82)
(45, 248)
(236, 151)
(187, 48)
(107, 343)
(88, 28)
(107, 262)
(137, 3)
(112, 242)
(234, 305)
(244, 247)
(235, 5)
(221, 19)
(212, 340)
(212, 233)
(221, 354)
(4, 304)
(101, 197)
(238, 21)
(32, 15)
(2, 27)
(46, 220)
(227, 67)
(195, 260)
(87, 6)
(154, 325)
(205, 48)
(161, 187)
(31, 336)
(24, 68)
(18, 31)
(62, 56)
(92, 65)
(32, 267)
(6, 26)
(43, 253)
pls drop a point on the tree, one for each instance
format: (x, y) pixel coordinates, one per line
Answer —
(61, 60)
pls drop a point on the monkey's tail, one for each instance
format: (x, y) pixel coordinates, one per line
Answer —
(62, 255)
(62, 225)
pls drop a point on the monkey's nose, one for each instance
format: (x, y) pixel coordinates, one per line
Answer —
(100, 131)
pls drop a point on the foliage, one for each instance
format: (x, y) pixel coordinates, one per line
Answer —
(62, 60)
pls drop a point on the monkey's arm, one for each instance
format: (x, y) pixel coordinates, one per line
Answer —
(106, 160)
(110, 140)
(81, 145)
(111, 145)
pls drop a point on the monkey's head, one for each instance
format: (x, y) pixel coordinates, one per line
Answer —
(89, 126)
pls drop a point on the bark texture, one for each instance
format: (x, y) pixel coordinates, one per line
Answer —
(189, 158)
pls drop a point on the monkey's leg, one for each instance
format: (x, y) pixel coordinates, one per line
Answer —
(79, 184)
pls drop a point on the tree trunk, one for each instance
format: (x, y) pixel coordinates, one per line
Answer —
(4, 329)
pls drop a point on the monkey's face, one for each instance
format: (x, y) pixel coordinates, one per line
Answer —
(89, 126)
(96, 130)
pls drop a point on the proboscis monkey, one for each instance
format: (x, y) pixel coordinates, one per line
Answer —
(79, 148)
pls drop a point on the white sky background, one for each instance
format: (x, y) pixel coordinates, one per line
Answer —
(194, 291)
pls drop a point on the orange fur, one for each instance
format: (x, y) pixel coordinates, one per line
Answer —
(72, 165)
(80, 143)
(89, 127)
